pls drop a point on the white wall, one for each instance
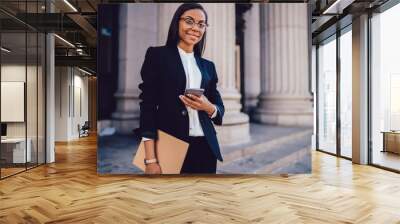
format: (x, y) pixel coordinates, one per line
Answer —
(71, 93)
(14, 72)
(17, 72)
(80, 100)
(62, 81)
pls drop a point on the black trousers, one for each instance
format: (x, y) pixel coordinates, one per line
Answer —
(199, 157)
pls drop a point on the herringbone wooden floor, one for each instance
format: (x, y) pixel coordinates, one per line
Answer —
(70, 191)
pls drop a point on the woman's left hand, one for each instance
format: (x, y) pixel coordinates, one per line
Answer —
(198, 103)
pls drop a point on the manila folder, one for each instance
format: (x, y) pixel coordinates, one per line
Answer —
(170, 151)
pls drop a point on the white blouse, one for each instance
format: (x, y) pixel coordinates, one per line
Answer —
(193, 80)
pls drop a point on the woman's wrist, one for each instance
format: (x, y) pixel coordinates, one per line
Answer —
(150, 161)
(210, 109)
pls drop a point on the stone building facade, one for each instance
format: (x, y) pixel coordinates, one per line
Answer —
(275, 66)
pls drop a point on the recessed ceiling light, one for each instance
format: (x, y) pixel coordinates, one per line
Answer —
(84, 71)
(5, 50)
(70, 5)
(337, 7)
(64, 40)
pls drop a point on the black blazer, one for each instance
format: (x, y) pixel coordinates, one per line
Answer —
(164, 80)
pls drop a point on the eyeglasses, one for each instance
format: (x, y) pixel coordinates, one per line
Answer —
(190, 22)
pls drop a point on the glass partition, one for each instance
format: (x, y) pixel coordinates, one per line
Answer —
(385, 89)
(346, 93)
(327, 95)
(13, 105)
(22, 88)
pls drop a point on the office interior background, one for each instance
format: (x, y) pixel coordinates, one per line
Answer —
(357, 86)
(48, 82)
(48, 88)
(48, 75)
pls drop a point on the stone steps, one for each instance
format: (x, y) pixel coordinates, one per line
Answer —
(116, 152)
(263, 146)
(279, 155)
(296, 162)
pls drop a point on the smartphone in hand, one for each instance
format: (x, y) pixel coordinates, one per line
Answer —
(194, 91)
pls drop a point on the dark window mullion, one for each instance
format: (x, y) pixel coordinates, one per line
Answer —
(369, 94)
(317, 95)
(45, 89)
(338, 98)
(26, 87)
(37, 90)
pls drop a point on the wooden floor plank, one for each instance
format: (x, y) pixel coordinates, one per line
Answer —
(70, 191)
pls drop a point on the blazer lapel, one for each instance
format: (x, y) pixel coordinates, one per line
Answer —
(180, 70)
(202, 71)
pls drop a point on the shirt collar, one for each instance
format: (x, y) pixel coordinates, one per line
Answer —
(184, 53)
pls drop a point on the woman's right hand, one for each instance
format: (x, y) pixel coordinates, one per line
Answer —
(153, 168)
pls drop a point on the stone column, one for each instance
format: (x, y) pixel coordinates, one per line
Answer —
(165, 13)
(284, 98)
(138, 31)
(220, 48)
(252, 57)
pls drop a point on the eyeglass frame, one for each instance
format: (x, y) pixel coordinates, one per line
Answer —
(194, 23)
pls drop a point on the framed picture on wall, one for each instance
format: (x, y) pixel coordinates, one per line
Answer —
(12, 101)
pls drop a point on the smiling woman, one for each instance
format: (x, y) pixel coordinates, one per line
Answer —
(190, 31)
(167, 72)
(188, 28)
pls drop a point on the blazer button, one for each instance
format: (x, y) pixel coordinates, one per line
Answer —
(184, 112)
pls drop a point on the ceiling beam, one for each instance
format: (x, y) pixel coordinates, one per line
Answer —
(86, 26)
(83, 61)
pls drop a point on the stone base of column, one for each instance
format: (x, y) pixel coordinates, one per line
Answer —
(126, 117)
(234, 130)
(124, 125)
(250, 104)
(305, 120)
(235, 127)
(286, 111)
